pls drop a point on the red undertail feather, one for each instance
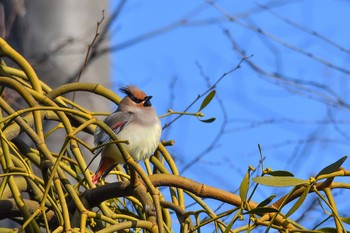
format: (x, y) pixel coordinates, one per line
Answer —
(104, 165)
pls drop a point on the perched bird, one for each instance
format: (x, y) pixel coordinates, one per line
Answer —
(136, 121)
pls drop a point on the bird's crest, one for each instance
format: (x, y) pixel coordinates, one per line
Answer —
(134, 93)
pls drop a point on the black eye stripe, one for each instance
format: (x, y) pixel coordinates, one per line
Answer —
(133, 98)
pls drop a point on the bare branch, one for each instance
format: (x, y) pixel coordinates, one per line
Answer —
(208, 90)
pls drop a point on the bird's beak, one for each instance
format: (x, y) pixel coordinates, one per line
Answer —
(147, 102)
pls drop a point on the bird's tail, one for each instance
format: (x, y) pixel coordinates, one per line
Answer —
(106, 165)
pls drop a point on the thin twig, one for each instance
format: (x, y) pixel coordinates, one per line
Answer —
(310, 89)
(279, 40)
(221, 131)
(91, 45)
(304, 29)
(207, 91)
(89, 50)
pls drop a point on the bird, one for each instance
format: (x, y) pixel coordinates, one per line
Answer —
(136, 121)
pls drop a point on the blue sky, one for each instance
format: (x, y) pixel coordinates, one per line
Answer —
(294, 117)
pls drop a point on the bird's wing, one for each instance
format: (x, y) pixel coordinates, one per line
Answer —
(116, 121)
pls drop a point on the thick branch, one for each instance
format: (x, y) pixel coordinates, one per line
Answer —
(94, 197)
(9, 208)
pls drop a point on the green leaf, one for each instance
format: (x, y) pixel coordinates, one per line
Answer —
(233, 220)
(280, 173)
(299, 202)
(345, 220)
(207, 100)
(229, 226)
(333, 167)
(262, 210)
(210, 120)
(243, 188)
(279, 181)
(329, 230)
(266, 201)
